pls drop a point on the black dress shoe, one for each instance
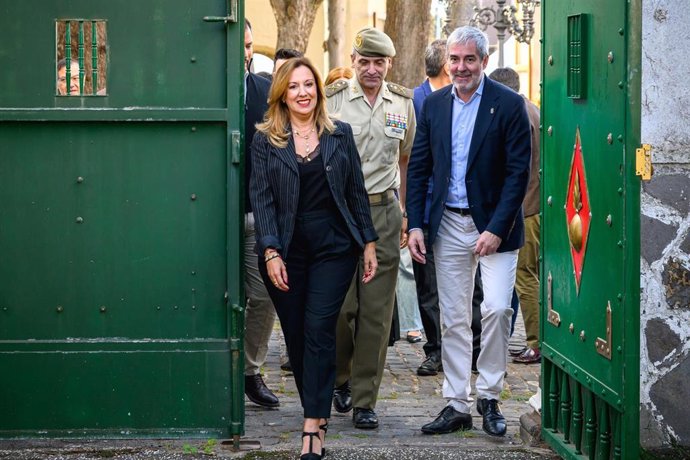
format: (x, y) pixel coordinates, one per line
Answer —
(448, 420)
(432, 365)
(258, 393)
(494, 423)
(365, 419)
(286, 366)
(342, 398)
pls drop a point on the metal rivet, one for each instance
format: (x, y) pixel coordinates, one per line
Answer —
(621, 31)
(571, 328)
(193, 289)
(582, 336)
(158, 308)
(609, 138)
(59, 309)
(550, 60)
(621, 84)
(80, 180)
(102, 309)
(619, 349)
(610, 57)
(193, 197)
(620, 138)
(549, 200)
(563, 362)
(193, 129)
(609, 220)
(192, 59)
(193, 272)
(193, 307)
(619, 296)
(620, 244)
(620, 190)
(79, 220)
(603, 392)
(175, 307)
(549, 130)
(575, 372)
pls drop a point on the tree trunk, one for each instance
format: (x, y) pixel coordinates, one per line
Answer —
(461, 11)
(295, 19)
(408, 23)
(336, 36)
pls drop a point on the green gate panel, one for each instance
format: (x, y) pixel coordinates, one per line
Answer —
(590, 227)
(121, 297)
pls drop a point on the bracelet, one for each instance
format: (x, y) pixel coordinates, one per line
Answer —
(270, 257)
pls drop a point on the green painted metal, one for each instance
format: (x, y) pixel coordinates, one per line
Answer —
(121, 227)
(591, 402)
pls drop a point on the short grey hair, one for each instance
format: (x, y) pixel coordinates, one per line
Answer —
(468, 34)
(435, 58)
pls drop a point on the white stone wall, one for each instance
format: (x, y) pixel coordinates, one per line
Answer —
(665, 239)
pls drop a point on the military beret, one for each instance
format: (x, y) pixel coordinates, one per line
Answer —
(371, 42)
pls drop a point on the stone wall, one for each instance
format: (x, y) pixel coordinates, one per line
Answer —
(665, 226)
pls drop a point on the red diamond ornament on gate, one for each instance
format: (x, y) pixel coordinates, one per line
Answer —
(577, 211)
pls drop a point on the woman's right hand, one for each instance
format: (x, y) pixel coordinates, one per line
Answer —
(277, 273)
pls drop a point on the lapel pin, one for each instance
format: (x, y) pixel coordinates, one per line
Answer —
(491, 111)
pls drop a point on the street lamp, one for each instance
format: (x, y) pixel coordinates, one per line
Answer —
(503, 19)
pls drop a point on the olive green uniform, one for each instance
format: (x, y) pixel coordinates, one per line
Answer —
(382, 133)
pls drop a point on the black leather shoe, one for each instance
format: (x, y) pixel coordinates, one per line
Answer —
(342, 398)
(365, 419)
(448, 421)
(258, 393)
(432, 365)
(494, 423)
(286, 366)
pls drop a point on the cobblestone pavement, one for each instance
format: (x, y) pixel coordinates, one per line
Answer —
(406, 402)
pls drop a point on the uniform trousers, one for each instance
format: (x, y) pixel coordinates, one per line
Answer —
(259, 315)
(321, 261)
(527, 282)
(456, 264)
(365, 319)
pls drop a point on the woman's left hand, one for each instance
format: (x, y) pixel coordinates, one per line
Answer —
(370, 262)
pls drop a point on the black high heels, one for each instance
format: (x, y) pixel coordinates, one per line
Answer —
(323, 428)
(311, 455)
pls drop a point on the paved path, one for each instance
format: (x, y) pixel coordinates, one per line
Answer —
(406, 402)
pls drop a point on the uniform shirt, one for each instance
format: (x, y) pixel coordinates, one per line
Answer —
(382, 132)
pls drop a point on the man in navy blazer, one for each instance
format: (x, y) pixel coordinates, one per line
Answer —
(260, 315)
(473, 140)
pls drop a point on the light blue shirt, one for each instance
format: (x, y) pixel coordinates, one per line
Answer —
(464, 116)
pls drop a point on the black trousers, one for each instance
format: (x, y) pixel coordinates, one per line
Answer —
(320, 265)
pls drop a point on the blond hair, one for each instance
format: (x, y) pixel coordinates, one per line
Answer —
(276, 124)
(338, 73)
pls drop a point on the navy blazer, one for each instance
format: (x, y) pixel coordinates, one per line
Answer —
(255, 105)
(274, 188)
(497, 167)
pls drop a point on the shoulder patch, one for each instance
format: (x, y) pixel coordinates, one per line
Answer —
(400, 90)
(336, 87)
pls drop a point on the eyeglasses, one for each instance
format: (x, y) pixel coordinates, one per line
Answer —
(74, 79)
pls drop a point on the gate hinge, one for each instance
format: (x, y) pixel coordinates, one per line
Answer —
(231, 17)
(643, 162)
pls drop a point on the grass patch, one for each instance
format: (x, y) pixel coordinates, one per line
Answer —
(505, 394)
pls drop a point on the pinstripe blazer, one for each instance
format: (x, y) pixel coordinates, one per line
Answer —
(274, 188)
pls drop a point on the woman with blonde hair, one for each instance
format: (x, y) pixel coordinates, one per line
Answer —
(312, 223)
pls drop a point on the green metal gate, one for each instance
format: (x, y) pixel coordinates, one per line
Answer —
(120, 219)
(590, 227)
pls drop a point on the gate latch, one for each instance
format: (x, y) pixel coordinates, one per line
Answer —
(643, 162)
(231, 17)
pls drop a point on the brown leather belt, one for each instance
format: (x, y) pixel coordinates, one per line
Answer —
(381, 198)
(461, 211)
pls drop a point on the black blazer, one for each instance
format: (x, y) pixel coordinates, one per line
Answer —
(274, 188)
(497, 167)
(255, 107)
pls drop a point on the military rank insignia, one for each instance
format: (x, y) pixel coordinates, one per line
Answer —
(396, 120)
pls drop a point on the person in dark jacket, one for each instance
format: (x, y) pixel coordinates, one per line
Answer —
(312, 223)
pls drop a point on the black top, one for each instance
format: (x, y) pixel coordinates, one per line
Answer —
(314, 193)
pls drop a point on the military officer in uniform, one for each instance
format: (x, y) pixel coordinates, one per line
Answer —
(383, 122)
